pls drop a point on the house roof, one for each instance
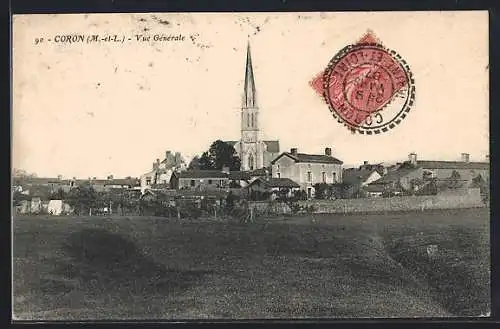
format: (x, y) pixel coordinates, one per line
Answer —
(309, 158)
(40, 191)
(394, 176)
(35, 180)
(202, 174)
(426, 164)
(259, 172)
(355, 176)
(276, 182)
(273, 146)
(239, 175)
(122, 181)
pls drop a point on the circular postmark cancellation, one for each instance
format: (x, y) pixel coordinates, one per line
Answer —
(368, 87)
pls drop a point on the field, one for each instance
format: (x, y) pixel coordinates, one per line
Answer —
(316, 266)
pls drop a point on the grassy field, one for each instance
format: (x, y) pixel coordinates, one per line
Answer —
(316, 266)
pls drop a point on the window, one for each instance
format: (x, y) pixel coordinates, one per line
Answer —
(323, 176)
(253, 119)
(248, 119)
(192, 182)
(250, 162)
(221, 182)
(148, 181)
(334, 175)
(309, 176)
(278, 175)
(209, 182)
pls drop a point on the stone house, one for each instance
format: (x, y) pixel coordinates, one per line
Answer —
(396, 181)
(272, 185)
(443, 170)
(356, 179)
(200, 180)
(308, 169)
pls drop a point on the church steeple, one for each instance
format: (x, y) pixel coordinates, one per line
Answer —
(249, 94)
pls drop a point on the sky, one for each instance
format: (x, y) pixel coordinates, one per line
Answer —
(97, 109)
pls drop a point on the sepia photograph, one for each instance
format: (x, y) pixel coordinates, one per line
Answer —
(250, 166)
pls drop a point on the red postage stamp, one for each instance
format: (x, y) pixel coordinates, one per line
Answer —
(368, 87)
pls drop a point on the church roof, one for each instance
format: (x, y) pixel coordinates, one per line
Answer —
(273, 146)
(249, 93)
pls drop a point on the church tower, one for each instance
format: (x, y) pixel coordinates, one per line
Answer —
(251, 148)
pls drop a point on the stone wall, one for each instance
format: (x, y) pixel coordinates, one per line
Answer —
(469, 199)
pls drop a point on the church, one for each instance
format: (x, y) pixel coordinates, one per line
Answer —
(254, 152)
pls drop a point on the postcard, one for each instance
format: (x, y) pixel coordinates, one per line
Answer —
(250, 166)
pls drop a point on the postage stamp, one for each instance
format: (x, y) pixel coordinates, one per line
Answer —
(367, 86)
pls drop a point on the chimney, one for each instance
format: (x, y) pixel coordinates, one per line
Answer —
(465, 157)
(413, 158)
(328, 151)
(293, 151)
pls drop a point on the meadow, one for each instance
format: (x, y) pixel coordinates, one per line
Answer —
(314, 266)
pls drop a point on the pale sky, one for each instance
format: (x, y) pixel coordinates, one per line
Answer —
(110, 108)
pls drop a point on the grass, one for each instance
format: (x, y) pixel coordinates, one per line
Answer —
(322, 266)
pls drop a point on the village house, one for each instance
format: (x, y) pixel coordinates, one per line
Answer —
(395, 181)
(103, 185)
(272, 185)
(308, 169)
(239, 179)
(200, 180)
(160, 175)
(356, 179)
(443, 170)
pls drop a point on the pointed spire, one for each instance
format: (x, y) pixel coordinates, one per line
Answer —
(249, 94)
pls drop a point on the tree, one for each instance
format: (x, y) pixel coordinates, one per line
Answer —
(218, 156)
(454, 180)
(82, 199)
(194, 164)
(229, 201)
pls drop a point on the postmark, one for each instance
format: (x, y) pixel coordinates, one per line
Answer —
(368, 87)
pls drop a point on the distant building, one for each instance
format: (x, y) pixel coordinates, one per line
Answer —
(239, 179)
(308, 169)
(102, 185)
(443, 170)
(396, 181)
(357, 179)
(200, 180)
(273, 184)
(161, 171)
(252, 150)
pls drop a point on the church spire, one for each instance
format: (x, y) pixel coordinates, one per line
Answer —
(249, 94)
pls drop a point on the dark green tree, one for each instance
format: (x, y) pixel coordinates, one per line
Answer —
(218, 156)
